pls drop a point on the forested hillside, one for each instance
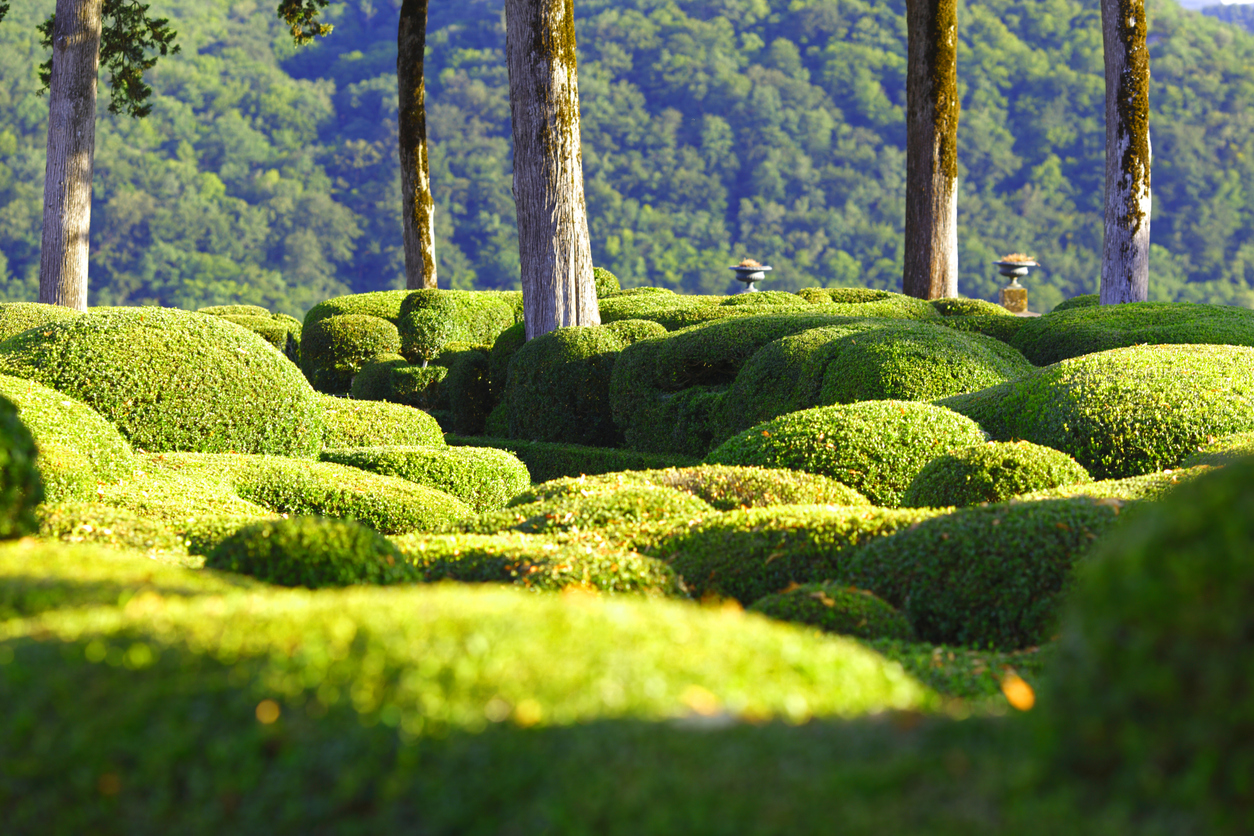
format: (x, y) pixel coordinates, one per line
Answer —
(712, 129)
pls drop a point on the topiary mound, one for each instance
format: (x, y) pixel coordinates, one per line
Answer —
(1075, 331)
(834, 608)
(844, 295)
(875, 447)
(1221, 451)
(958, 306)
(335, 348)
(1084, 300)
(606, 282)
(384, 304)
(991, 576)
(1150, 697)
(386, 503)
(1124, 412)
(429, 319)
(311, 552)
(749, 554)
(1002, 328)
(1152, 486)
(764, 299)
(992, 472)
(547, 461)
(77, 447)
(865, 302)
(20, 486)
(483, 477)
(282, 332)
(352, 423)
(173, 380)
(16, 317)
(538, 563)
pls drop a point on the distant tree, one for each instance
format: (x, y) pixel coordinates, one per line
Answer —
(931, 245)
(1126, 248)
(553, 246)
(83, 34)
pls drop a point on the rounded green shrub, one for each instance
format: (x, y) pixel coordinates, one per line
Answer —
(635, 330)
(656, 304)
(173, 380)
(1084, 300)
(16, 317)
(432, 317)
(992, 472)
(1221, 451)
(968, 307)
(67, 474)
(1151, 486)
(312, 552)
(764, 299)
(335, 348)
(384, 304)
(844, 295)
(759, 551)
(990, 576)
(483, 477)
(606, 282)
(1086, 330)
(503, 350)
(875, 447)
(20, 486)
(373, 381)
(1003, 328)
(1150, 697)
(463, 397)
(834, 608)
(387, 504)
(281, 332)
(1124, 412)
(235, 310)
(351, 423)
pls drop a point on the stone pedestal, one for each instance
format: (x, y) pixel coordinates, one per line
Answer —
(1015, 298)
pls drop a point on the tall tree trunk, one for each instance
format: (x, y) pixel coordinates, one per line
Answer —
(71, 154)
(553, 249)
(419, 208)
(1125, 255)
(931, 262)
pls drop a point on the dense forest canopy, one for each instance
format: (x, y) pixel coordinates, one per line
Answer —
(712, 129)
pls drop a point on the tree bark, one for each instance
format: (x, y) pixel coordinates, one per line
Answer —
(1125, 255)
(71, 154)
(931, 257)
(554, 252)
(419, 208)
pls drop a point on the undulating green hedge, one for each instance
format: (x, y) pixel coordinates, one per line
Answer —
(503, 350)
(864, 302)
(373, 381)
(1221, 451)
(1150, 697)
(875, 447)
(21, 488)
(968, 307)
(547, 461)
(1084, 300)
(606, 282)
(464, 395)
(160, 536)
(1071, 332)
(1151, 486)
(998, 327)
(351, 423)
(384, 304)
(485, 478)
(990, 576)
(992, 472)
(836, 608)
(335, 348)
(281, 331)
(16, 317)
(759, 551)
(1124, 412)
(459, 316)
(312, 552)
(174, 380)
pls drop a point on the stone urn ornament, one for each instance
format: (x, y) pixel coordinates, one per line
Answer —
(749, 272)
(1014, 296)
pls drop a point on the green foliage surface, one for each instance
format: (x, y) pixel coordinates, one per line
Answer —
(375, 424)
(1221, 451)
(21, 487)
(968, 307)
(483, 477)
(172, 380)
(280, 330)
(384, 304)
(1153, 486)
(991, 576)
(547, 461)
(16, 317)
(312, 552)
(1147, 699)
(335, 348)
(991, 472)
(833, 608)
(1124, 412)
(875, 447)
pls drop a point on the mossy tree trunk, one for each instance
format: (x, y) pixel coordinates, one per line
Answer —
(419, 208)
(71, 153)
(554, 252)
(931, 250)
(1125, 253)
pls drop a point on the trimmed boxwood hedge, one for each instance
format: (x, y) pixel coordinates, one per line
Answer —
(968, 307)
(1003, 328)
(483, 477)
(373, 381)
(118, 528)
(547, 461)
(21, 489)
(384, 304)
(1152, 486)
(990, 576)
(1124, 412)
(606, 282)
(352, 423)
(174, 380)
(875, 447)
(724, 488)
(503, 350)
(470, 317)
(537, 563)
(844, 295)
(1150, 697)
(335, 348)
(282, 332)
(992, 472)
(835, 608)
(1084, 300)
(463, 396)
(312, 552)
(759, 551)
(1071, 332)
(16, 317)
(864, 302)
(1221, 451)
(389, 504)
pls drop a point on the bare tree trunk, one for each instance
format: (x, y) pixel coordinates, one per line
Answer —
(931, 259)
(1125, 256)
(71, 154)
(553, 248)
(419, 208)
